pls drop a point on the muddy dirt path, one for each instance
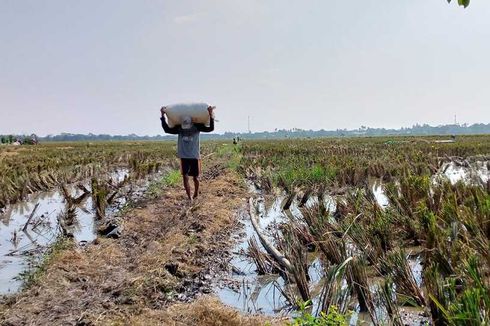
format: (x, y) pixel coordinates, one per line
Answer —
(157, 273)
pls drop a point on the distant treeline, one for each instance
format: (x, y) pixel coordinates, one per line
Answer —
(19, 139)
(416, 130)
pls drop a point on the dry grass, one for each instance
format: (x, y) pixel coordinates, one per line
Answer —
(206, 311)
(5, 154)
(125, 281)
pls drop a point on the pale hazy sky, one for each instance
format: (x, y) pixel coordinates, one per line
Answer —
(106, 66)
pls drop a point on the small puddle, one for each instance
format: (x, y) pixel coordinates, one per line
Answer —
(379, 194)
(474, 172)
(21, 249)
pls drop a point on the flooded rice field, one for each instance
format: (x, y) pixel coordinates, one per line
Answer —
(30, 227)
(362, 231)
(250, 292)
(245, 289)
(270, 293)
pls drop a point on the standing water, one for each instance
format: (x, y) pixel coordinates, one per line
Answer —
(23, 242)
(245, 289)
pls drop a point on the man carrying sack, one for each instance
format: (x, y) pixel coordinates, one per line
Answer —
(188, 147)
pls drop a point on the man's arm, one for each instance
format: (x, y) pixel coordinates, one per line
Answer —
(201, 127)
(166, 128)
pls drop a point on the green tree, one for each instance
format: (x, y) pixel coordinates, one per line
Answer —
(464, 3)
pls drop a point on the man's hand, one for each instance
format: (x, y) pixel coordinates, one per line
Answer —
(163, 110)
(210, 110)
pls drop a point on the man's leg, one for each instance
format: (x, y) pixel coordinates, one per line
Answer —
(196, 187)
(184, 169)
(195, 171)
(186, 185)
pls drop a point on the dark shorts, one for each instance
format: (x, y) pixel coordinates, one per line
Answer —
(190, 167)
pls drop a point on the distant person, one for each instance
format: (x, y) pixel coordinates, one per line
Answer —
(188, 147)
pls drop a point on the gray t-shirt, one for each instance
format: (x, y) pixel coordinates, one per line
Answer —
(188, 145)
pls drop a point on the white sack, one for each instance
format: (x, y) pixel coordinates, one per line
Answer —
(197, 111)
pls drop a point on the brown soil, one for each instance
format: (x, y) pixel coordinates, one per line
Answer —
(154, 274)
